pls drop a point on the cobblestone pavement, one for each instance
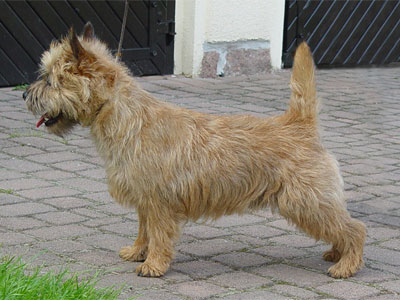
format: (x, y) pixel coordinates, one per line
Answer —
(54, 203)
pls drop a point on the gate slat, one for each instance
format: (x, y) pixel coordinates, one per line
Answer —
(40, 31)
(17, 55)
(20, 33)
(86, 12)
(68, 14)
(9, 70)
(344, 33)
(386, 40)
(50, 17)
(136, 40)
(371, 27)
(330, 44)
(27, 28)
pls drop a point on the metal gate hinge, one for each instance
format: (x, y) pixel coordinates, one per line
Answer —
(167, 27)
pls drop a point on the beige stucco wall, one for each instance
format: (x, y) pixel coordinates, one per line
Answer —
(199, 22)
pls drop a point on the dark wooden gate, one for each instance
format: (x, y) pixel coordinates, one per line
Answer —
(344, 33)
(27, 27)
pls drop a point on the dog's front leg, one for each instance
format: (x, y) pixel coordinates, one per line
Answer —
(163, 229)
(138, 251)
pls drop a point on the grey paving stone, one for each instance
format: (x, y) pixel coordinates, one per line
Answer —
(63, 246)
(8, 174)
(282, 224)
(111, 242)
(252, 242)
(314, 262)
(367, 275)
(384, 297)
(385, 219)
(54, 175)
(130, 280)
(95, 173)
(360, 125)
(259, 231)
(297, 276)
(86, 184)
(156, 294)
(293, 291)
(96, 222)
(6, 198)
(19, 164)
(73, 166)
(240, 280)
(197, 290)
(393, 286)
(115, 209)
(211, 247)
(236, 220)
(57, 232)
(37, 141)
(393, 244)
(48, 192)
(379, 233)
(49, 158)
(61, 218)
(241, 259)
(348, 290)
(280, 252)
(23, 184)
(24, 209)
(256, 295)
(67, 202)
(22, 150)
(97, 257)
(205, 232)
(382, 255)
(14, 238)
(89, 212)
(20, 223)
(201, 269)
(100, 197)
(124, 228)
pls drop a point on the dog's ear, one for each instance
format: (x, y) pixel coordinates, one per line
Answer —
(77, 49)
(88, 32)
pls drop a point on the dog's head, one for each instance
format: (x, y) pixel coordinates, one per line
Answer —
(76, 76)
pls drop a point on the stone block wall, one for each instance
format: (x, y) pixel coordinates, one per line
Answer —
(236, 58)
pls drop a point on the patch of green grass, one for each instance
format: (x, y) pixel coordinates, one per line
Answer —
(3, 191)
(19, 282)
(21, 87)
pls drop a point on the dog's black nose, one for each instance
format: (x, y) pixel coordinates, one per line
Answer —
(24, 95)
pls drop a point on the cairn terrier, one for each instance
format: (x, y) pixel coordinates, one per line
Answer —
(173, 165)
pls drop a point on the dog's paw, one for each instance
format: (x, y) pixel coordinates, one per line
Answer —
(339, 272)
(132, 253)
(148, 270)
(332, 255)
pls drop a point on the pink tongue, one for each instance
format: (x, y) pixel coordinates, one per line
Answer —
(40, 122)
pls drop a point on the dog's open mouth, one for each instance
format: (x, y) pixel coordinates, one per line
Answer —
(47, 120)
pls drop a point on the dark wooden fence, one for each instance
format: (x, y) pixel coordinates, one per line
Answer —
(27, 28)
(344, 33)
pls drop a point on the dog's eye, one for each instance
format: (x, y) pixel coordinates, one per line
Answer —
(48, 82)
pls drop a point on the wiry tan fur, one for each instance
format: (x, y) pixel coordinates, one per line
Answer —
(173, 165)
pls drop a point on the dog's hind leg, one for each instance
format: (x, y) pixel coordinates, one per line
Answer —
(162, 229)
(138, 251)
(329, 221)
(332, 255)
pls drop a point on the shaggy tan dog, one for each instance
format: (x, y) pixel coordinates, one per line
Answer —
(173, 165)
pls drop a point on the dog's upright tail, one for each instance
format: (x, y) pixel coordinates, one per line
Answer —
(303, 104)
